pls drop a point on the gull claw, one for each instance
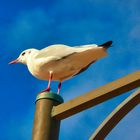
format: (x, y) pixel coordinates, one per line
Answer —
(47, 89)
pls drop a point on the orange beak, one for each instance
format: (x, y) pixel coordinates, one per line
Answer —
(14, 61)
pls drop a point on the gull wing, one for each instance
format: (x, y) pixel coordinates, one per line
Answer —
(56, 52)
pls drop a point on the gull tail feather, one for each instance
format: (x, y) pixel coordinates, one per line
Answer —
(106, 45)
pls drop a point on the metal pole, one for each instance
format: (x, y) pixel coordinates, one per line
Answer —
(116, 116)
(97, 96)
(45, 127)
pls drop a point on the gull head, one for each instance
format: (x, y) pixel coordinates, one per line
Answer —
(24, 56)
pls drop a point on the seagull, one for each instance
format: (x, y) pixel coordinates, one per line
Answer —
(61, 62)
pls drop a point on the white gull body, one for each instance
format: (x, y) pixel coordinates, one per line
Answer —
(62, 61)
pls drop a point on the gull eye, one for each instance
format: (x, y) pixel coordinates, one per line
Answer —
(23, 54)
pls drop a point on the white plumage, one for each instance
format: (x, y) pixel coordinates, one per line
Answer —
(61, 62)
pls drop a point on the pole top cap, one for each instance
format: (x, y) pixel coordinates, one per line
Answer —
(49, 95)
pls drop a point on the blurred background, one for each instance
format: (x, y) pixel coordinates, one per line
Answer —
(37, 24)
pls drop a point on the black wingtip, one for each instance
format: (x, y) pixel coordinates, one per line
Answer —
(107, 44)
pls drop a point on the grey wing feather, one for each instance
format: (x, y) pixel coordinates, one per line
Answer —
(60, 51)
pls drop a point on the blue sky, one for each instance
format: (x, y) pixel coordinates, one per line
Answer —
(37, 24)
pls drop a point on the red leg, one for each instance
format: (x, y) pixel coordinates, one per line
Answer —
(59, 87)
(49, 83)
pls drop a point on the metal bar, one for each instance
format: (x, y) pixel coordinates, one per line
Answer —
(97, 96)
(113, 119)
(46, 127)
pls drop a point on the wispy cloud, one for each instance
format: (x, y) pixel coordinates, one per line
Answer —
(29, 29)
(74, 23)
